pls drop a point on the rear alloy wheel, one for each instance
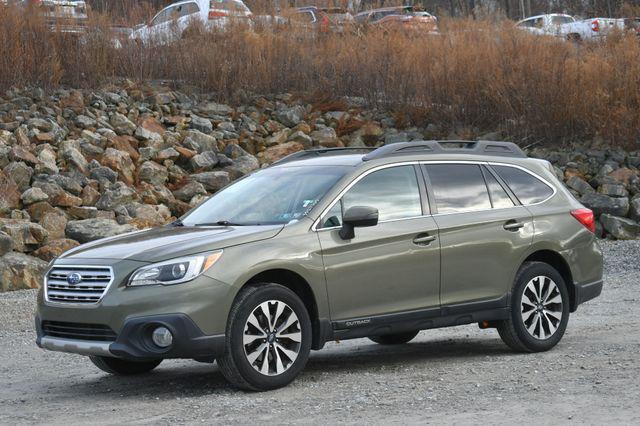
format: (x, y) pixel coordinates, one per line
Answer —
(394, 339)
(268, 338)
(539, 309)
(121, 367)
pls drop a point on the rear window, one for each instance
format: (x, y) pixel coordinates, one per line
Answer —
(528, 188)
(458, 187)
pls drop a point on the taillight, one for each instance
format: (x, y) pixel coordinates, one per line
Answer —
(586, 218)
(595, 26)
(215, 14)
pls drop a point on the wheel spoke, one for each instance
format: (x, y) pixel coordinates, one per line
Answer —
(247, 339)
(267, 313)
(256, 353)
(265, 362)
(527, 315)
(541, 327)
(255, 323)
(295, 336)
(279, 309)
(556, 315)
(279, 365)
(292, 319)
(552, 328)
(532, 327)
(292, 355)
(527, 301)
(555, 299)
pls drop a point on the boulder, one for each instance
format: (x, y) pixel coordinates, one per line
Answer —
(302, 138)
(75, 159)
(325, 137)
(205, 161)
(147, 216)
(20, 173)
(9, 193)
(619, 227)
(117, 195)
(33, 195)
(613, 190)
(201, 124)
(153, 173)
(120, 162)
(55, 248)
(19, 271)
(601, 203)
(122, 125)
(26, 235)
(634, 210)
(212, 181)
(190, 190)
(55, 223)
(6, 243)
(277, 152)
(579, 185)
(243, 166)
(291, 116)
(94, 229)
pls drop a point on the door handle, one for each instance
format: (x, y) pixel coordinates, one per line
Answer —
(513, 225)
(424, 239)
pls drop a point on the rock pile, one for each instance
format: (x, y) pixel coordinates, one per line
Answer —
(76, 166)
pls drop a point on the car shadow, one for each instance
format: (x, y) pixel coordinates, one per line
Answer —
(189, 379)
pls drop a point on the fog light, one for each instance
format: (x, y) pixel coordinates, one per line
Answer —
(162, 337)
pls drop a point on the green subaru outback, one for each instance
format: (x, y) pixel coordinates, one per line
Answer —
(330, 245)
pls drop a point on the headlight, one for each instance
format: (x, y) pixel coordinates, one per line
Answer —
(174, 271)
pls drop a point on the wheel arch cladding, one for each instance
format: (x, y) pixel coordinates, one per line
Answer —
(301, 288)
(555, 260)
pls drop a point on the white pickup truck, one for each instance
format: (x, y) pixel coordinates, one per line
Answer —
(567, 27)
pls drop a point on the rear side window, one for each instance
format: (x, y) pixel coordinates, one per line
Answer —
(499, 197)
(458, 187)
(528, 188)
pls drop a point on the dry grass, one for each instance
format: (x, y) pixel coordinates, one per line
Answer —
(474, 75)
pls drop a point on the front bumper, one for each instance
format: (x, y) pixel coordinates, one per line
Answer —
(134, 340)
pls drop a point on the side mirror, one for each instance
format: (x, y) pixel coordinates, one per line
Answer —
(357, 217)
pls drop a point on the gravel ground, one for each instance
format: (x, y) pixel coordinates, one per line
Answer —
(455, 375)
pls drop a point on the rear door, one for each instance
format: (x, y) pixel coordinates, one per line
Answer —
(388, 268)
(483, 233)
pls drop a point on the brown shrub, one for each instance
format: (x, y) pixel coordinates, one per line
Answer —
(474, 75)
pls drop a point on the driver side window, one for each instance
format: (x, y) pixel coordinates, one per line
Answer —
(393, 191)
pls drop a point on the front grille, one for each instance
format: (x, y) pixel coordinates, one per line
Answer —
(72, 330)
(77, 284)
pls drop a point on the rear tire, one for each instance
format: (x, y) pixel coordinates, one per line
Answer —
(539, 309)
(394, 339)
(268, 338)
(121, 367)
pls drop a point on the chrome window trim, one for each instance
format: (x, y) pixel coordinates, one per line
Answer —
(315, 228)
(72, 304)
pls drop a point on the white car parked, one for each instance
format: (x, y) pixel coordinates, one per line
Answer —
(171, 22)
(567, 27)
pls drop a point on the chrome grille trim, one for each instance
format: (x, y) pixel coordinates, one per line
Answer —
(90, 291)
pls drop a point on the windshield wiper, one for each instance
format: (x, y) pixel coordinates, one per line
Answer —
(220, 223)
(176, 223)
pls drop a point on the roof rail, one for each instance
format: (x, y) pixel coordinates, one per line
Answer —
(503, 149)
(312, 153)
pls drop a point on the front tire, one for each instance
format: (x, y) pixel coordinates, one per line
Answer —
(121, 367)
(539, 309)
(394, 339)
(268, 338)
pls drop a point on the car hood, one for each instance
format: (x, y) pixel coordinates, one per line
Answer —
(159, 244)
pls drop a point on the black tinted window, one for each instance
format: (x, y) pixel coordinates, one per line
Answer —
(499, 197)
(458, 187)
(393, 191)
(526, 187)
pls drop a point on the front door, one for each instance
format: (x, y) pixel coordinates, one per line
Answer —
(392, 267)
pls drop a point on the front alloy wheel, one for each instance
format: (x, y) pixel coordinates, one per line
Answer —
(268, 338)
(272, 338)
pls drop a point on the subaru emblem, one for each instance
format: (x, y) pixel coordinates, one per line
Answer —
(74, 278)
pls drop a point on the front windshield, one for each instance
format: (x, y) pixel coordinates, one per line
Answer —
(272, 196)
